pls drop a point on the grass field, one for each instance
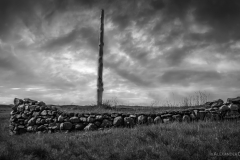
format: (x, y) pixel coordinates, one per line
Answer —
(199, 140)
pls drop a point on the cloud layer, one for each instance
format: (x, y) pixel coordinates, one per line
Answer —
(49, 49)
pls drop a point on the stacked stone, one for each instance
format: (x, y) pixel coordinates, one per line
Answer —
(218, 110)
(35, 116)
(232, 108)
(32, 116)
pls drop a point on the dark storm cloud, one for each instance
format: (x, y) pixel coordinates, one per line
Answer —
(122, 69)
(133, 77)
(62, 41)
(89, 35)
(185, 77)
(78, 37)
(176, 55)
(177, 29)
(123, 13)
(136, 53)
(66, 40)
(222, 15)
(14, 67)
(32, 13)
(13, 12)
(8, 12)
(145, 11)
(7, 60)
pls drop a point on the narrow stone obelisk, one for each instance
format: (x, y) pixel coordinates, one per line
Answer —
(100, 62)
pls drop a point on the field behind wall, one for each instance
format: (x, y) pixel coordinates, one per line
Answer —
(198, 140)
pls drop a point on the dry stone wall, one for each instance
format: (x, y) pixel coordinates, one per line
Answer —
(35, 116)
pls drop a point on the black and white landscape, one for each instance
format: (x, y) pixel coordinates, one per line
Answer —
(169, 89)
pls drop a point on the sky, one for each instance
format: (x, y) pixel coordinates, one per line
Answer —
(154, 50)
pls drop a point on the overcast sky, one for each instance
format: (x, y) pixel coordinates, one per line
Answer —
(154, 49)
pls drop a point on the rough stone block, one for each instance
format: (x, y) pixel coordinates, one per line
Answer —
(74, 119)
(158, 120)
(66, 126)
(129, 122)
(106, 123)
(118, 121)
(90, 127)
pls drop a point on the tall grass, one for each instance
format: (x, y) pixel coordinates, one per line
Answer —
(178, 141)
(164, 141)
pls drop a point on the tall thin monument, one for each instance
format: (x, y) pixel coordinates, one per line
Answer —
(100, 62)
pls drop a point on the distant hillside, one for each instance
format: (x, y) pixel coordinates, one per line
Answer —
(5, 105)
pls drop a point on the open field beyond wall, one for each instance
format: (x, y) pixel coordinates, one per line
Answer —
(201, 140)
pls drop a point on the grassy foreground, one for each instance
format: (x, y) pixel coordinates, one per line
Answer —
(202, 140)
